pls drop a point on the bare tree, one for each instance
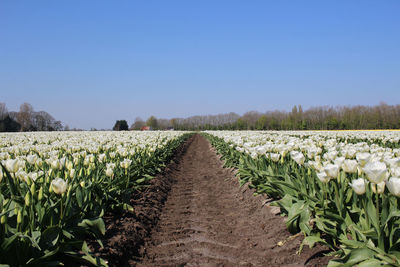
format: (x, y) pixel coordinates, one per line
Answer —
(24, 116)
(138, 124)
(3, 111)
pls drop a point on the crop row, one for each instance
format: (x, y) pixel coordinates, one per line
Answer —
(55, 188)
(336, 190)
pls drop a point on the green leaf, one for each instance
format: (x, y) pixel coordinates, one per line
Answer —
(97, 224)
(356, 256)
(311, 240)
(50, 237)
(372, 263)
(79, 198)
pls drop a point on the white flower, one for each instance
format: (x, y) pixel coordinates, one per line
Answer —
(102, 157)
(298, 157)
(332, 170)
(380, 186)
(32, 159)
(59, 186)
(109, 172)
(395, 171)
(12, 165)
(125, 163)
(375, 171)
(323, 177)
(350, 166)
(339, 161)
(72, 173)
(70, 165)
(240, 149)
(274, 157)
(394, 186)
(110, 165)
(33, 175)
(1, 174)
(363, 158)
(22, 175)
(55, 164)
(394, 162)
(359, 186)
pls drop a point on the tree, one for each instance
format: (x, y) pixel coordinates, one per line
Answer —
(24, 117)
(9, 125)
(138, 124)
(120, 125)
(152, 122)
(3, 111)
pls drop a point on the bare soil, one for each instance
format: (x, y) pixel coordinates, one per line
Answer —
(195, 214)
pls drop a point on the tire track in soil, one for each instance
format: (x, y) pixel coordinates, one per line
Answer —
(208, 220)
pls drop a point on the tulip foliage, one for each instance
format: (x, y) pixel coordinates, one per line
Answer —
(340, 189)
(55, 188)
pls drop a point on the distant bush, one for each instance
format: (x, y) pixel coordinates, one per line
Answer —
(9, 125)
(120, 125)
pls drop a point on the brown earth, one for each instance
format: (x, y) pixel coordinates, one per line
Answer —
(206, 220)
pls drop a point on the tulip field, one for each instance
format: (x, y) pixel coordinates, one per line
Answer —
(340, 189)
(55, 188)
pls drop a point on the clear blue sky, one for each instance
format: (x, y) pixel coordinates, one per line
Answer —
(91, 62)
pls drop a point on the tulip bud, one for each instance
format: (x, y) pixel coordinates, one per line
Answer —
(72, 173)
(28, 180)
(40, 195)
(82, 184)
(3, 219)
(19, 216)
(69, 192)
(28, 199)
(33, 189)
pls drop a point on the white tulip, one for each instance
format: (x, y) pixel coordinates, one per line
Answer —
(126, 163)
(72, 173)
(59, 186)
(102, 157)
(363, 158)
(350, 166)
(332, 170)
(380, 186)
(393, 184)
(323, 177)
(12, 165)
(33, 175)
(109, 172)
(298, 157)
(395, 171)
(394, 162)
(339, 161)
(55, 164)
(359, 186)
(376, 171)
(275, 157)
(22, 175)
(32, 159)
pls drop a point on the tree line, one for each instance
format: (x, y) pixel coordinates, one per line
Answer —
(27, 120)
(380, 116)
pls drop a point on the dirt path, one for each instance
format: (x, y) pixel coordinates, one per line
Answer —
(208, 220)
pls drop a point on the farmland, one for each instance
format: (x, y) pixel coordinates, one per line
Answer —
(65, 195)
